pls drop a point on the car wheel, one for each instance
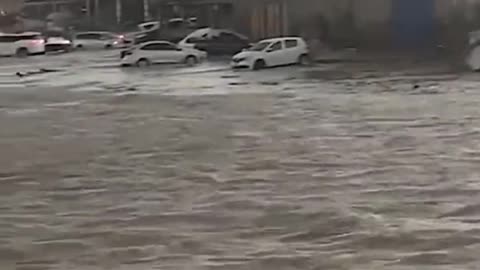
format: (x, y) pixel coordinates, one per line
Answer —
(304, 60)
(190, 60)
(22, 52)
(143, 63)
(259, 64)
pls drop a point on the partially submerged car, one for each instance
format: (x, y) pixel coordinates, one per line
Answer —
(160, 52)
(215, 41)
(172, 30)
(273, 52)
(473, 54)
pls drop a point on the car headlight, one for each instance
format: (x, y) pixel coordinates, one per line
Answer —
(237, 60)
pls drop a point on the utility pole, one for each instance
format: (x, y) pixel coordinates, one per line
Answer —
(87, 8)
(97, 10)
(146, 10)
(118, 9)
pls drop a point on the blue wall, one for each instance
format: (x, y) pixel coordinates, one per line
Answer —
(413, 23)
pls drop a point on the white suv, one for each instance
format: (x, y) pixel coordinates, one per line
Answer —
(273, 52)
(22, 44)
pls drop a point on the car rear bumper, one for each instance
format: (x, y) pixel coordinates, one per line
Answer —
(36, 50)
(57, 47)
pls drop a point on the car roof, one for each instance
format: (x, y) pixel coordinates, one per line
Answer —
(280, 39)
(93, 32)
(155, 42)
(20, 34)
(212, 32)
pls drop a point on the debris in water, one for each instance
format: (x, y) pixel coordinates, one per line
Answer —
(269, 83)
(229, 76)
(40, 71)
(238, 83)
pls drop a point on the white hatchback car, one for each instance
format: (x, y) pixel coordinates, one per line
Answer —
(22, 44)
(160, 52)
(273, 52)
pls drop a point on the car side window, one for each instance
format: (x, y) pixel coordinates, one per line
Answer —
(106, 36)
(167, 47)
(29, 37)
(90, 36)
(159, 47)
(150, 47)
(275, 46)
(7, 39)
(291, 43)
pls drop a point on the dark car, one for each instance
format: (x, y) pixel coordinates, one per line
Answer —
(216, 41)
(174, 30)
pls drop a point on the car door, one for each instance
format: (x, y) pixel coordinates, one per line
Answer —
(85, 40)
(236, 43)
(153, 52)
(275, 54)
(227, 43)
(96, 41)
(172, 53)
(292, 51)
(80, 40)
(7, 44)
(108, 39)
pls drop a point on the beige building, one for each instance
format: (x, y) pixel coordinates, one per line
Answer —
(368, 23)
(11, 6)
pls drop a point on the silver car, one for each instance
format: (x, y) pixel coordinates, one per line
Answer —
(99, 40)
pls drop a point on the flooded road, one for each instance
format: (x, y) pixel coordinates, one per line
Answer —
(205, 168)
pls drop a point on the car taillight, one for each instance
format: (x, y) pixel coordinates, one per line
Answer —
(37, 41)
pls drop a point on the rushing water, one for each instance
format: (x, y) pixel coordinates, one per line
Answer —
(317, 176)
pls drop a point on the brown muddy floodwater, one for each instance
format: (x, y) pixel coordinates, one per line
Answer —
(309, 176)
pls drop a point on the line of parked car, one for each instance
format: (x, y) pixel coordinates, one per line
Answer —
(192, 49)
(195, 47)
(33, 43)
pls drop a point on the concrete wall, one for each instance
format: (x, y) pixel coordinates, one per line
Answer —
(372, 19)
(455, 20)
(363, 23)
(339, 22)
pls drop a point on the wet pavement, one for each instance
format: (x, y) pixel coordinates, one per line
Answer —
(341, 166)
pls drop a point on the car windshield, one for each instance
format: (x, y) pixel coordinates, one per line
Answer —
(260, 46)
